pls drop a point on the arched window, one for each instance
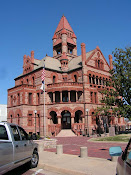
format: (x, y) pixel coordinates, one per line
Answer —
(98, 63)
(11, 119)
(33, 82)
(89, 78)
(97, 80)
(75, 78)
(54, 79)
(93, 79)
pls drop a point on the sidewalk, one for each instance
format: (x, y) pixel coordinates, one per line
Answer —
(74, 165)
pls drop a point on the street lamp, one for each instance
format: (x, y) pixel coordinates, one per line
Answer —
(35, 120)
(87, 131)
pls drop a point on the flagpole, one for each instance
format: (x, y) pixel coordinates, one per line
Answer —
(44, 113)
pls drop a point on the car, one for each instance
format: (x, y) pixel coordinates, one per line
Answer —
(124, 160)
(16, 148)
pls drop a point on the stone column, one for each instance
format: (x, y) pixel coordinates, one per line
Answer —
(76, 96)
(61, 96)
(72, 120)
(59, 119)
(53, 96)
(69, 96)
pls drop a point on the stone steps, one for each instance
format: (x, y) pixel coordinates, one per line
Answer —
(66, 133)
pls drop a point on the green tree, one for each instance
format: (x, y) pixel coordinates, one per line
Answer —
(121, 78)
(117, 101)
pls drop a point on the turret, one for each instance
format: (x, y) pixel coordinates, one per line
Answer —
(64, 40)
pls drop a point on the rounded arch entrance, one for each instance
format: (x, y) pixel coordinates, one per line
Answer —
(54, 119)
(78, 116)
(66, 120)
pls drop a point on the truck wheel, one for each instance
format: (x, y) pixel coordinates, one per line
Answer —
(34, 159)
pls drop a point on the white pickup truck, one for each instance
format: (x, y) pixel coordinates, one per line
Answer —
(16, 148)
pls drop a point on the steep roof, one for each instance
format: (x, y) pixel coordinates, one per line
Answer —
(63, 24)
(76, 63)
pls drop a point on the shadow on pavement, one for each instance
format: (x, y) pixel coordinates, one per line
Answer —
(20, 170)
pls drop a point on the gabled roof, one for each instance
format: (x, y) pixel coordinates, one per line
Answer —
(93, 53)
(63, 24)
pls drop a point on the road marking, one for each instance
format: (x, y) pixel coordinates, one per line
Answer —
(39, 170)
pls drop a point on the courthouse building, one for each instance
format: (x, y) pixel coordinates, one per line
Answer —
(72, 87)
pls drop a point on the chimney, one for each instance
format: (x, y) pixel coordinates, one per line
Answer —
(32, 56)
(110, 61)
(83, 52)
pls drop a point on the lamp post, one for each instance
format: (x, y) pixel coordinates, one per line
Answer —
(87, 124)
(35, 120)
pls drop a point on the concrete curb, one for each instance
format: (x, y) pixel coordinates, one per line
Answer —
(61, 170)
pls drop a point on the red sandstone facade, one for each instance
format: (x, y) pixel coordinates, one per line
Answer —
(72, 85)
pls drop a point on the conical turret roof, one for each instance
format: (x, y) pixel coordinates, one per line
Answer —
(63, 24)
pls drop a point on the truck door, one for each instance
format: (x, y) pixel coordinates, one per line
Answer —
(6, 150)
(18, 147)
(27, 145)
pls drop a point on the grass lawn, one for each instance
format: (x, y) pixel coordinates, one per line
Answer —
(117, 138)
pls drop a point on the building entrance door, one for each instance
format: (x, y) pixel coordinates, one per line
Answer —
(66, 120)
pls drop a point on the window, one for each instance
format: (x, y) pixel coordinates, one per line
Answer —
(51, 96)
(106, 82)
(18, 98)
(11, 100)
(58, 52)
(57, 96)
(15, 133)
(30, 98)
(38, 98)
(75, 78)
(30, 120)
(95, 98)
(89, 78)
(11, 118)
(33, 82)
(73, 96)
(93, 79)
(91, 94)
(54, 79)
(97, 80)
(24, 135)
(3, 133)
(98, 63)
(65, 96)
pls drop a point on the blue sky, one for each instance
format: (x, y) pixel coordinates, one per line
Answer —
(27, 25)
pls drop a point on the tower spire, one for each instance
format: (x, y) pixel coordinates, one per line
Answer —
(64, 40)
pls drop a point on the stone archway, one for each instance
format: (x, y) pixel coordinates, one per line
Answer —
(78, 116)
(66, 120)
(54, 119)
